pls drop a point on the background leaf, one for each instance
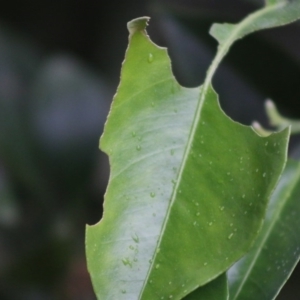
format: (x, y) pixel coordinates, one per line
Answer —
(217, 289)
(264, 270)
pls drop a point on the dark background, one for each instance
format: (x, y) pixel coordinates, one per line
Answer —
(59, 67)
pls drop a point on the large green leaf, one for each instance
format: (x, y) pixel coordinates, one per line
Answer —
(263, 271)
(188, 186)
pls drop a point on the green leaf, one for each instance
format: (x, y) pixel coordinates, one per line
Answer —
(264, 270)
(217, 289)
(188, 186)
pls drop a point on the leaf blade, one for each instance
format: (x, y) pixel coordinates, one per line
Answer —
(158, 266)
(264, 270)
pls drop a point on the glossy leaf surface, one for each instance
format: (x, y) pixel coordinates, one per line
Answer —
(264, 270)
(188, 186)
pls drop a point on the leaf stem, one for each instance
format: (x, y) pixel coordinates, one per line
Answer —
(235, 35)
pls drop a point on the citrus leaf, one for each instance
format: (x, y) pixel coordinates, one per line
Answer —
(264, 270)
(188, 186)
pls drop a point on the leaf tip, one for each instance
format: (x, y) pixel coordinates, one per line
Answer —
(138, 24)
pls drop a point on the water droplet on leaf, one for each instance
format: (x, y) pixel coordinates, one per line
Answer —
(135, 238)
(230, 236)
(126, 262)
(150, 58)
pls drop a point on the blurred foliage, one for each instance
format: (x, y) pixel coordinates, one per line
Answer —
(59, 66)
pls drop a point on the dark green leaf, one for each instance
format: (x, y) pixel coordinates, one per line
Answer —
(263, 271)
(217, 289)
